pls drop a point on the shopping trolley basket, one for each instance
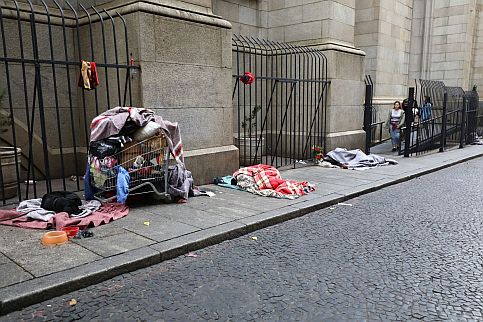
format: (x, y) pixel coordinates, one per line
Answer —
(147, 164)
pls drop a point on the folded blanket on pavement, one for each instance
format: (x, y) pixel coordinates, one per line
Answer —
(104, 215)
(33, 210)
(265, 180)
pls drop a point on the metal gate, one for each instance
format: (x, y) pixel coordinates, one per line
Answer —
(474, 116)
(40, 56)
(445, 116)
(372, 126)
(279, 96)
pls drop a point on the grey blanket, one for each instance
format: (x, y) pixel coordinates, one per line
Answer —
(354, 159)
(34, 211)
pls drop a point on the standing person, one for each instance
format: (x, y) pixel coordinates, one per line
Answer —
(426, 110)
(395, 120)
(415, 109)
(426, 114)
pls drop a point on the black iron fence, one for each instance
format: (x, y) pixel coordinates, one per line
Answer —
(474, 117)
(46, 106)
(279, 96)
(440, 116)
(372, 125)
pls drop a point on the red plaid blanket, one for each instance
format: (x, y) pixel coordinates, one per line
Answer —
(268, 178)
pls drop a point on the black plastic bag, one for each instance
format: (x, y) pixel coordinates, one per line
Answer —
(104, 148)
(129, 128)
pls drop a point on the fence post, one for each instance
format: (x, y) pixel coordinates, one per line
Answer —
(408, 122)
(368, 118)
(463, 123)
(443, 125)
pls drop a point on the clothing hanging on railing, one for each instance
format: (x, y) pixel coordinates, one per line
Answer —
(88, 78)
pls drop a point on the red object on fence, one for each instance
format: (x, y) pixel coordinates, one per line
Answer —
(247, 78)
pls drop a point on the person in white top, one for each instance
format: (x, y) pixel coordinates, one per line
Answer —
(395, 120)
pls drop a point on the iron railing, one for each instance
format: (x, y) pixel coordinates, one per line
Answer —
(372, 126)
(40, 56)
(453, 118)
(474, 117)
(281, 115)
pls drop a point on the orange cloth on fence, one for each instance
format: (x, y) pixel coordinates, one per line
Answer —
(88, 78)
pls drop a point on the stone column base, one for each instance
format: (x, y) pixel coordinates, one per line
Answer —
(206, 164)
(347, 139)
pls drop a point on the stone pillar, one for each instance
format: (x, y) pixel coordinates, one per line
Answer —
(184, 52)
(477, 66)
(383, 30)
(345, 112)
(185, 57)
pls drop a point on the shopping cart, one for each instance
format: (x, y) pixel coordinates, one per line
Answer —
(147, 163)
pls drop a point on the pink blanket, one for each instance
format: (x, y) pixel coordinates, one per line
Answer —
(105, 214)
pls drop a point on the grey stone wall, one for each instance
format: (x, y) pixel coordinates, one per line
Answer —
(248, 17)
(477, 67)
(383, 31)
(453, 33)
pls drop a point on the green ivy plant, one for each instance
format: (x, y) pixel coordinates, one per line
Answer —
(250, 121)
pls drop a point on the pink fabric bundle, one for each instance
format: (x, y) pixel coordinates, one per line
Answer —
(105, 214)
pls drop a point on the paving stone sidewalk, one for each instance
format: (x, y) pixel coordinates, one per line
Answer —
(30, 272)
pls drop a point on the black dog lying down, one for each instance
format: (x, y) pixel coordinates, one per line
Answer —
(62, 201)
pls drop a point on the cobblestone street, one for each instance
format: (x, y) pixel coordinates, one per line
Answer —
(413, 251)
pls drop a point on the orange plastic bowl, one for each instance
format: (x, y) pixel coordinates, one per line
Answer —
(54, 238)
(71, 231)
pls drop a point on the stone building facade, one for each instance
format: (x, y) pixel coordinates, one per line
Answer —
(184, 50)
(406, 40)
(403, 40)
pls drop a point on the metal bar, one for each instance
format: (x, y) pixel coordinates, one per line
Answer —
(260, 142)
(63, 62)
(24, 81)
(30, 135)
(93, 58)
(54, 78)
(10, 103)
(443, 126)
(105, 56)
(267, 107)
(238, 96)
(71, 107)
(128, 71)
(463, 123)
(249, 103)
(116, 55)
(84, 107)
(367, 119)
(244, 115)
(287, 104)
(41, 103)
(408, 124)
(288, 80)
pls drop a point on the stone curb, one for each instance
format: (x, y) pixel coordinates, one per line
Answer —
(18, 296)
